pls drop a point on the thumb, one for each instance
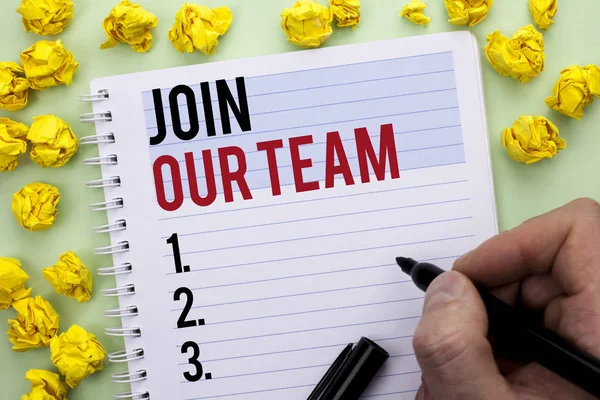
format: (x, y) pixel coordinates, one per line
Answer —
(451, 346)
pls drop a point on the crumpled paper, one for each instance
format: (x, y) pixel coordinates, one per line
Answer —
(521, 57)
(36, 324)
(532, 139)
(14, 88)
(12, 282)
(543, 11)
(77, 354)
(45, 385)
(53, 141)
(48, 64)
(46, 17)
(307, 24)
(575, 89)
(129, 23)
(70, 277)
(34, 206)
(12, 143)
(467, 12)
(199, 27)
(346, 12)
(413, 11)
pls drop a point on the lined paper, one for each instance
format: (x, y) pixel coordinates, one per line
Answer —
(282, 283)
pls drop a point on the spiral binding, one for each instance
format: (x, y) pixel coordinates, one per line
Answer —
(121, 247)
(103, 138)
(108, 160)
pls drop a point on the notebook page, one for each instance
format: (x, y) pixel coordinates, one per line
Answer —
(276, 281)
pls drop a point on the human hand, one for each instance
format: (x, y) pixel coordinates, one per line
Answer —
(550, 263)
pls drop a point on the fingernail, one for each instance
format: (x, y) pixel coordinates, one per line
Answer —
(463, 257)
(444, 289)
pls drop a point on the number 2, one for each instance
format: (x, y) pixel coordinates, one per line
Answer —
(193, 360)
(189, 301)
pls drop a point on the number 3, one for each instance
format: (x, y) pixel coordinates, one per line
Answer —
(193, 360)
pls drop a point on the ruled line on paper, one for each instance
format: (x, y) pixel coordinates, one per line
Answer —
(332, 67)
(235, 190)
(252, 392)
(266, 372)
(339, 103)
(310, 274)
(297, 369)
(316, 311)
(328, 253)
(354, 64)
(316, 87)
(391, 393)
(343, 140)
(305, 349)
(321, 217)
(312, 311)
(327, 235)
(398, 374)
(317, 199)
(299, 294)
(290, 277)
(279, 167)
(290, 388)
(333, 197)
(308, 330)
(387, 78)
(290, 128)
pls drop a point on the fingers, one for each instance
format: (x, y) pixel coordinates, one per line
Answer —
(538, 290)
(451, 346)
(563, 243)
(577, 319)
(536, 382)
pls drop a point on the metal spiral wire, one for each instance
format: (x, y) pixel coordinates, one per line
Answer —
(125, 268)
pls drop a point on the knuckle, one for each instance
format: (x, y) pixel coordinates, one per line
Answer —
(587, 205)
(438, 347)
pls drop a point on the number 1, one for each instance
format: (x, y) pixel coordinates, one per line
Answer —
(174, 241)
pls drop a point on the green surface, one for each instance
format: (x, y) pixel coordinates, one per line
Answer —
(522, 191)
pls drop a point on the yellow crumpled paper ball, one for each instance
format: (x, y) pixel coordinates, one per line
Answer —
(48, 64)
(467, 12)
(532, 139)
(307, 24)
(543, 11)
(70, 277)
(12, 143)
(53, 141)
(77, 354)
(12, 282)
(45, 385)
(346, 12)
(129, 23)
(36, 324)
(199, 27)
(413, 11)
(46, 17)
(34, 206)
(520, 57)
(575, 89)
(14, 88)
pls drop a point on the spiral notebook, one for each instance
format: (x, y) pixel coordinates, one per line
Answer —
(256, 208)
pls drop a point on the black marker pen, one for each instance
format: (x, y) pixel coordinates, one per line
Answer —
(512, 328)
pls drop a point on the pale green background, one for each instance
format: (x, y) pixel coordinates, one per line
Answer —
(522, 191)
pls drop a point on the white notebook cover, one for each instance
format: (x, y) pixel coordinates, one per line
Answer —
(283, 282)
